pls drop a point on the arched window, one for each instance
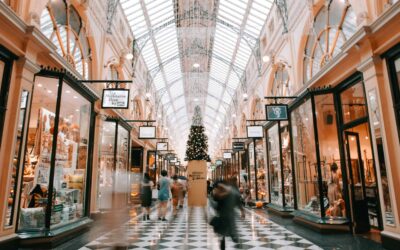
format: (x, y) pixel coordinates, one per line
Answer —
(281, 85)
(62, 24)
(332, 27)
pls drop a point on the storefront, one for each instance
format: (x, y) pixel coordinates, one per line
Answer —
(280, 169)
(57, 159)
(114, 170)
(333, 160)
(6, 63)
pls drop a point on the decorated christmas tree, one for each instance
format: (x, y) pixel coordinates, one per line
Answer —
(197, 145)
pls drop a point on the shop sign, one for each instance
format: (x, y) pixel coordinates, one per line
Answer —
(218, 162)
(276, 112)
(147, 132)
(162, 146)
(178, 163)
(238, 146)
(255, 131)
(227, 155)
(115, 99)
(173, 160)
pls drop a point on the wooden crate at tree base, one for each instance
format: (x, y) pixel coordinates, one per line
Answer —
(197, 183)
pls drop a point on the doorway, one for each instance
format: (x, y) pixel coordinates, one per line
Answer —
(358, 159)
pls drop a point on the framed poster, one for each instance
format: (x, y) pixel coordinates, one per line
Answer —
(162, 146)
(255, 131)
(227, 155)
(276, 112)
(115, 99)
(147, 132)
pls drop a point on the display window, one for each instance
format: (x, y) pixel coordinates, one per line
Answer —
(262, 182)
(114, 160)
(54, 190)
(305, 161)
(251, 170)
(17, 159)
(274, 160)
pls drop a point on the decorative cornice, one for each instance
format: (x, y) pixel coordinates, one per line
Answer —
(12, 17)
(368, 63)
(386, 17)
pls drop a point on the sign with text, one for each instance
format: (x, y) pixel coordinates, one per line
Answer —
(238, 146)
(115, 99)
(218, 162)
(147, 132)
(178, 163)
(227, 155)
(276, 112)
(255, 131)
(162, 146)
(173, 160)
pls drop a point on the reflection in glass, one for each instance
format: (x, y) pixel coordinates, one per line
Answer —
(274, 165)
(106, 166)
(308, 198)
(2, 65)
(71, 157)
(121, 173)
(16, 160)
(39, 143)
(287, 164)
(353, 103)
(252, 173)
(261, 177)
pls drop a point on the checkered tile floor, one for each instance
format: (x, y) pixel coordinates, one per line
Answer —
(190, 230)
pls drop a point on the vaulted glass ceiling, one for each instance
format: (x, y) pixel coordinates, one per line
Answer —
(196, 52)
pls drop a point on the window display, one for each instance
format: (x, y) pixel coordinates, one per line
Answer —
(274, 165)
(251, 171)
(332, 182)
(280, 168)
(308, 196)
(262, 184)
(56, 156)
(12, 186)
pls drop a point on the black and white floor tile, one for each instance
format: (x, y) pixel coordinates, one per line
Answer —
(190, 230)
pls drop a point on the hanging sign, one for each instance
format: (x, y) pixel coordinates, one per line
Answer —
(227, 155)
(238, 146)
(255, 131)
(276, 112)
(173, 160)
(162, 146)
(178, 163)
(115, 99)
(218, 162)
(147, 132)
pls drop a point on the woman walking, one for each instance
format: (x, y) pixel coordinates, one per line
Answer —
(163, 195)
(145, 195)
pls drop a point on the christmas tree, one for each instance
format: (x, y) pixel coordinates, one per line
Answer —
(197, 145)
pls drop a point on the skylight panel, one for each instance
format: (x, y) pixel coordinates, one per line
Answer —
(179, 102)
(215, 89)
(180, 113)
(149, 56)
(159, 82)
(209, 111)
(213, 102)
(227, 98)
(165, 98)
(233, 80)
(176, 89)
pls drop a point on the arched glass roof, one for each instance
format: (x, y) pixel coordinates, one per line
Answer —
(196, 52)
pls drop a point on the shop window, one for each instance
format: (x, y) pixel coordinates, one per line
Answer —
(306, 167)
(331, 173)
(12, 185)
(394, 71)
(113, 172)
(62, 25)
(281, 85)
(262, 181)
(332, 28)
(274, 165)
(353, 103)
(56, 156)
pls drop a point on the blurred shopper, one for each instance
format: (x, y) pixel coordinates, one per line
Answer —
(183, 181)
(177, 192)
(163, 195)
(145, 195)
(226, 199)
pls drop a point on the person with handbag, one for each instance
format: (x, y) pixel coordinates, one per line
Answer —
(225, 199)
(145, 195)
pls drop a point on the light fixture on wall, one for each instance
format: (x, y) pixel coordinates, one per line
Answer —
(266, 58)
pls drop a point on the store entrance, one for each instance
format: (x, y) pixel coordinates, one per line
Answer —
(356, 183)
(359, 160)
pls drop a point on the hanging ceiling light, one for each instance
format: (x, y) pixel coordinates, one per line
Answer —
(196, 65)
(129, 56)
(196, 99)
(266, 58)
